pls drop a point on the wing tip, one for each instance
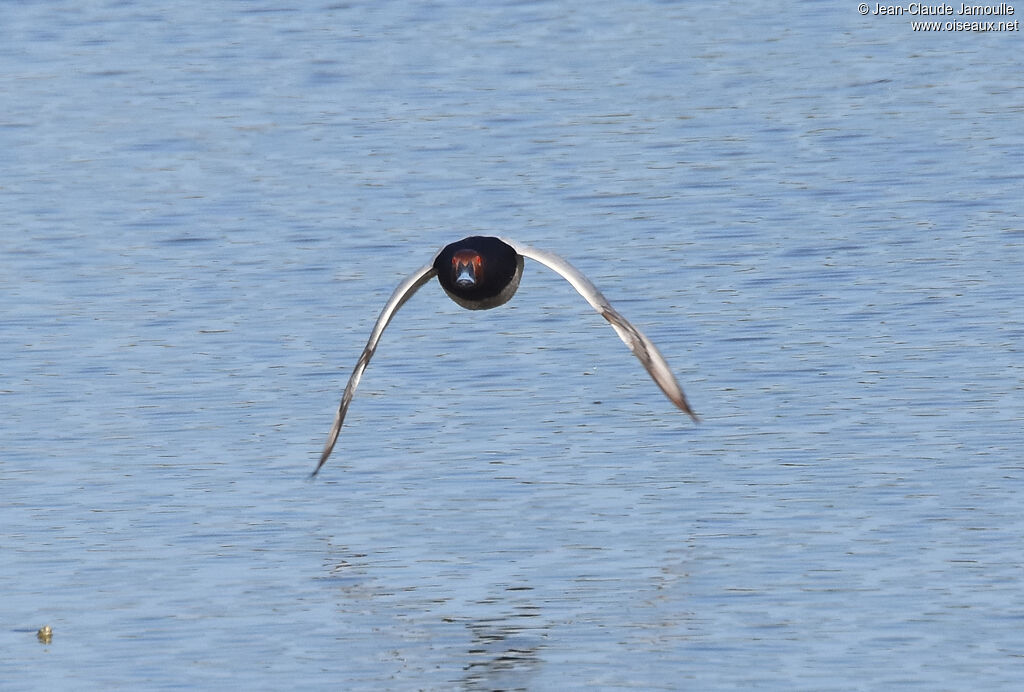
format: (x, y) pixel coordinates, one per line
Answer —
(317, 469)
(684, 406)
(328, 448)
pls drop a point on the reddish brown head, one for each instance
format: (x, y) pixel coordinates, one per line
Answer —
(467, 269)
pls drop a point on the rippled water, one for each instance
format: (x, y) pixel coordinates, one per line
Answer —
(815, 215)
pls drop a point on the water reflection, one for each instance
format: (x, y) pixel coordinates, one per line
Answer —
(505, 651)
(482, 650)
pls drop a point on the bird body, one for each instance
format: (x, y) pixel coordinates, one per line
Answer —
(480, 273)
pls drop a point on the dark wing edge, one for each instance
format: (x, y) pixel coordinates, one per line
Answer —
(642, 347)
(404, 292)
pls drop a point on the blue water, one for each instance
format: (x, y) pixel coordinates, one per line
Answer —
(816, 215)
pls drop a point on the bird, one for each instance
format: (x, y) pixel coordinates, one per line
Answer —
(483, 272)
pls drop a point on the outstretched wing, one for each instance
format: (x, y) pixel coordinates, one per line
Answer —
(642, 347)
(403, 293)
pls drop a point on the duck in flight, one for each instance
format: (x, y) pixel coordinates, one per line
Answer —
(480, 273)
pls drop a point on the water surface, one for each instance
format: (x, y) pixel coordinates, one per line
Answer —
(815, 215)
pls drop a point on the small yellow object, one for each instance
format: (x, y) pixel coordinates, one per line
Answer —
(45, 634)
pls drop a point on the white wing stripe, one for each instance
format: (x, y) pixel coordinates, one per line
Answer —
(642, 347)
(404, 292)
